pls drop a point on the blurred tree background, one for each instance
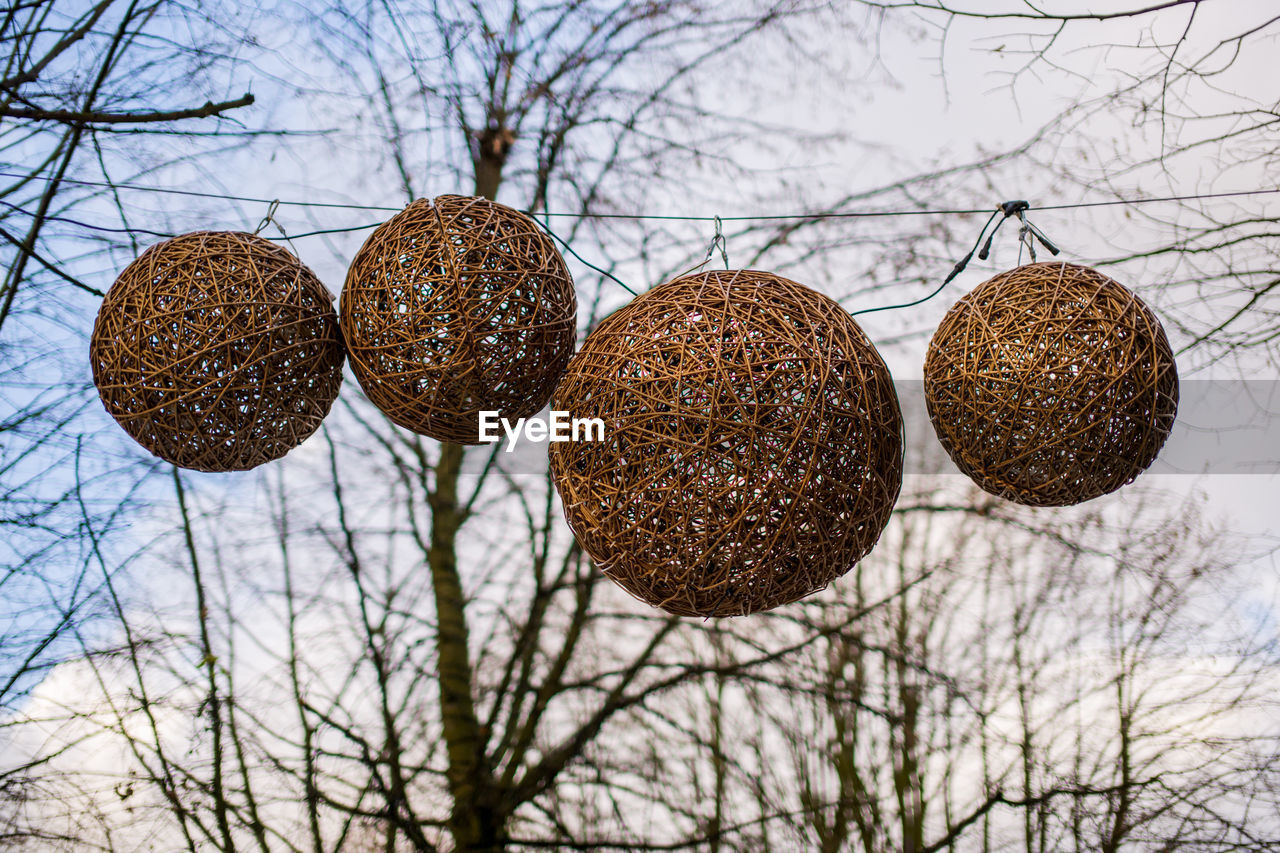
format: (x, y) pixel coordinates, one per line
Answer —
(385, 643)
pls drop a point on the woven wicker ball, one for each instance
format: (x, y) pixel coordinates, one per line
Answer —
(456, 306)
(217, 351)
(752, 444)
(1051, 384)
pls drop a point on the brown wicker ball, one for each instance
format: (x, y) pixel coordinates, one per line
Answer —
(752, 446)
(217, 351)
(1051, 384)
(456, 306)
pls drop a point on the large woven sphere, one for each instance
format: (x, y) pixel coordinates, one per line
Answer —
(752, 444)
(457, 306)
(217, 351)
(1051, 384)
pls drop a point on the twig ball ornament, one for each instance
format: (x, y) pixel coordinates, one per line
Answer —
(752, 447)
(217, 351)
(457, 306)
(1051, 384)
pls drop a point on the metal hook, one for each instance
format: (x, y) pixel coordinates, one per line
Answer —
(269, 218)
(1025, 238)
(719, 242)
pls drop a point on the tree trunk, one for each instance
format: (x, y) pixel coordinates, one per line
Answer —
(478, 818)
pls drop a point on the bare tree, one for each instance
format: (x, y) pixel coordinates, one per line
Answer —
(80, 83)
(409, 728)
(1173, 104)
(1038, 685)
(71, 71)
(390, 644)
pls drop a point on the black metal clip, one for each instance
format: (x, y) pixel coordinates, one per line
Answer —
(1019, 208)
(1015, 207)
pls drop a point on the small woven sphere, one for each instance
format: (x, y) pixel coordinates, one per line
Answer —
(752, 446)
(457, 306)
(217, 351)
(1051, 384)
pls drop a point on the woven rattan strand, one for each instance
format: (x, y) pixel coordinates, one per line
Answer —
(1051, 384)
(457, 306)
(217, 351)
(752, 449)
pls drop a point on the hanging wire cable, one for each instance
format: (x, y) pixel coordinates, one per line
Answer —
(852, 214)
(570, 250)
(955, 271)
(198, 194)
(1017, 208)
(1027, 235)
(79, 224)
(166, 234)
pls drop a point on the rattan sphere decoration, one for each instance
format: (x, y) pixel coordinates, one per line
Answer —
(1051, 384)
(456, 306)
(217, 351)
(752, 447)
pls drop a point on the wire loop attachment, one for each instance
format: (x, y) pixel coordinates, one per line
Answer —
(270, 219)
